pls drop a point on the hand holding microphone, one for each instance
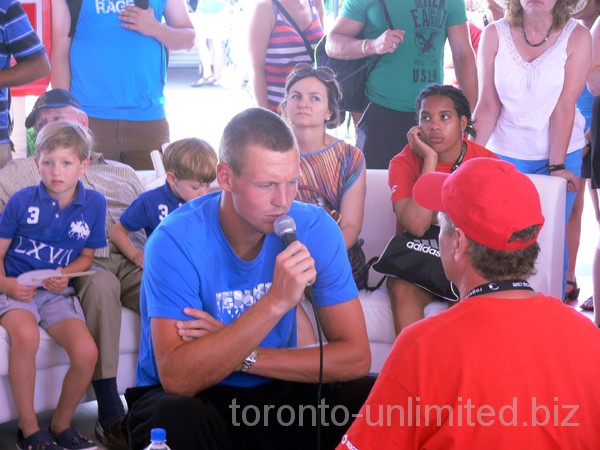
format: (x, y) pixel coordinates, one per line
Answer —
(296, 259)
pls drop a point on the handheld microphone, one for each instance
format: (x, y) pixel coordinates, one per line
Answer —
(285, 229)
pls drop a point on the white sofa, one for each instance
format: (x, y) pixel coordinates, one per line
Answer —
(378, 227)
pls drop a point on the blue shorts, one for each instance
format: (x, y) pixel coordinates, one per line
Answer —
(47, 307)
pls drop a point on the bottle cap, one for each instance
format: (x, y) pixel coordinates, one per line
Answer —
(158, 434)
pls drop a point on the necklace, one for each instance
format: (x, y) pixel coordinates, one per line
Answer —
(459, 160)
(539, 43)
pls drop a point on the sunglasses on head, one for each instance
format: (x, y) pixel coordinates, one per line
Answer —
(323, 73)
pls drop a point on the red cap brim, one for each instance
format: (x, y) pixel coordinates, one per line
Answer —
(427, 191)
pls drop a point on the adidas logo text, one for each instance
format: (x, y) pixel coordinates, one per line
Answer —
(419, 246)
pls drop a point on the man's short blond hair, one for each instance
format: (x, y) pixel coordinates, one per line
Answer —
(191, 159)
(64, 134)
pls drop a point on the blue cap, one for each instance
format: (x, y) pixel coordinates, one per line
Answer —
(56, 98)
(158, 434)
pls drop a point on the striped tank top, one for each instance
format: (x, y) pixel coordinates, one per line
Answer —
(286, 49)
(332, 170)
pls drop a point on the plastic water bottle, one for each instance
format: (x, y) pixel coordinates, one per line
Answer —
(158, 440)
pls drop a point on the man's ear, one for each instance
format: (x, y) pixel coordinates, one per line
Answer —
(83, 118)
(461, 244)
(224, 176)
(171, 178)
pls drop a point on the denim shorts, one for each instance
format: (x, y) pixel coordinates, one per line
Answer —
(47, 307)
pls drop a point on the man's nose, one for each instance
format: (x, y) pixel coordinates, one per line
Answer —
(280, 196)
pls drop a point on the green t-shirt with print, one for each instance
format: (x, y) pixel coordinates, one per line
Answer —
(397, 79)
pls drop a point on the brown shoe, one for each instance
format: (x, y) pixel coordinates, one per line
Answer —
(113, 438)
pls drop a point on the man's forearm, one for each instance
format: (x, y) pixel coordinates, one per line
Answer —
(175, 38)
(25, 71)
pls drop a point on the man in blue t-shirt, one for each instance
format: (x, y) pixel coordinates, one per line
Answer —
(218, 305)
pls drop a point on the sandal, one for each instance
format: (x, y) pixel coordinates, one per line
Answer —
(198, 83)
(588, 305)
(70, 439)
(38, 440)
(573, 294)
(209, 81)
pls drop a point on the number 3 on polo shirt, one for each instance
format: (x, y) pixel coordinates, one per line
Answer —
(164, 211)
(34, 215)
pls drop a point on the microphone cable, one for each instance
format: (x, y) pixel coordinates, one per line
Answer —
(310, 297)
(285, 228)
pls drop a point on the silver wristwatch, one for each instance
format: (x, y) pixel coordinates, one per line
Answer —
(249, 361)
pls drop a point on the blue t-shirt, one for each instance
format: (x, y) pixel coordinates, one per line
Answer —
(189, 263)
(149, 209)
(584, 104)
(45, 236)
(116, 73)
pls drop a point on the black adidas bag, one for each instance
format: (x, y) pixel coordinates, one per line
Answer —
(417, 260)
(352, 74)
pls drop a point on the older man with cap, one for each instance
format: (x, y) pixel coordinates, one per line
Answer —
(116, 282)
(497, 370)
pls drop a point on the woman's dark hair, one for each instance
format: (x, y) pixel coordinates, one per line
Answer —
(461, 104)
(334, 96)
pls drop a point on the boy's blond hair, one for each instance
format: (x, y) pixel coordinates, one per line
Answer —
(64, 134)
(191, 159)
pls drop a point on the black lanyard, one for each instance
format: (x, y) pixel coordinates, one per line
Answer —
(498, 286)
(461, 157)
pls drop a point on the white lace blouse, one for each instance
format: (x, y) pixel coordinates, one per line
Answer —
(528, 92)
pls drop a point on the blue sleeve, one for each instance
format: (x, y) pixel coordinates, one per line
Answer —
(97, 202)
(170, 281)
(19, 38)
(9, 219)
(135, 217)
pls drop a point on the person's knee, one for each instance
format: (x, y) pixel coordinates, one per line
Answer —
(99, 291)
(25, 339)
(402, 291)
(84, 355)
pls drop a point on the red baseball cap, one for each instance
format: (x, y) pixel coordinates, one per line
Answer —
(489, 199)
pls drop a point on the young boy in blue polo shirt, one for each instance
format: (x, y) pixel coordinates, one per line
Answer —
(190, 166)
(54, 225)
